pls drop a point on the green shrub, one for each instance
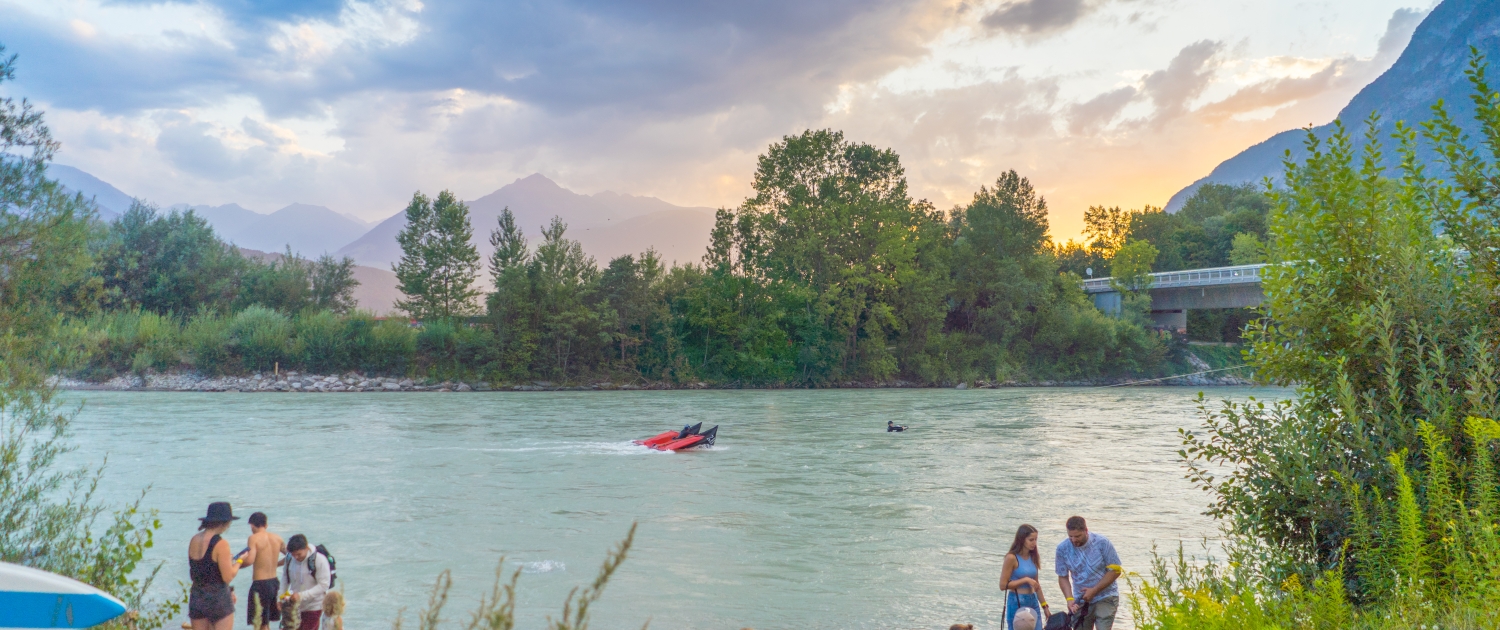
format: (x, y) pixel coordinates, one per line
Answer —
(475, 350)
(263, 337)
(157, 338)
(210, 347)
(322, 341)
(133, 341)
(1380, 307)
(436, 342)
(393, 346)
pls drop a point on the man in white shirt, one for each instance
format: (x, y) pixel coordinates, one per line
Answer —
(307, 578)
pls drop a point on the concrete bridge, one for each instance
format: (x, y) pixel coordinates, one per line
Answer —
(1174, 293)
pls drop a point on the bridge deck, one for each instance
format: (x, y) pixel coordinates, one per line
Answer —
(1214, 276)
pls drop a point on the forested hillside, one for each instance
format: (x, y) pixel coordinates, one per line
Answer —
(829, 275)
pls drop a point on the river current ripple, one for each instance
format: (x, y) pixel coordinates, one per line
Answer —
(806, 515)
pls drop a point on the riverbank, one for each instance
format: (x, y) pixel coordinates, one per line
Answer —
(352, 382)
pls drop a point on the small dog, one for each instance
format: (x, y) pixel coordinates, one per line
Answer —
(961, 626)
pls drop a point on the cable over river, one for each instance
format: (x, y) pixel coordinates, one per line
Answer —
(806, 514)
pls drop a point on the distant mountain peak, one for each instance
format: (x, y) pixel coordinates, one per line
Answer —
(537, 181)
(304, 207)
(615, 224)
(1430, 67)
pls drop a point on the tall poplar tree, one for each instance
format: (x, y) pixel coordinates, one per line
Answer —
(438, 260)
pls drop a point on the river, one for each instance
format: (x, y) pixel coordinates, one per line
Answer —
(806, 515)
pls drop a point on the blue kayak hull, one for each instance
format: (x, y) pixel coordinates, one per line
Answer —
(19, 609)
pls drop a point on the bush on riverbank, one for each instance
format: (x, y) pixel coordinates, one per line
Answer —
(260, 340)
(1377, 485)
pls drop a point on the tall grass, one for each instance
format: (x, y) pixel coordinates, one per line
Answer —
(497, 609)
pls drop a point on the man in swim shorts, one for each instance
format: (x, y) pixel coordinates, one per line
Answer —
(265, 549)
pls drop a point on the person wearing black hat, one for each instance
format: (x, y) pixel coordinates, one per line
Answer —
(213, 566)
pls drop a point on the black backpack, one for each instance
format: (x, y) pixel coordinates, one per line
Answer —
(333, 565)
(312, 566)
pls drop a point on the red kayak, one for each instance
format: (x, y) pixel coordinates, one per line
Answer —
(688, 437)
(660, 438)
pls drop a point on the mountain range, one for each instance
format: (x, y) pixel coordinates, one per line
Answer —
(1430, 68)
(308, 230)
(606, 224)
(111, 202)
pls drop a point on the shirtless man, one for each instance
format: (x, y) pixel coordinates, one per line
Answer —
(265, 549)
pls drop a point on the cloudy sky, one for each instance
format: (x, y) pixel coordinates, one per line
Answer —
(355, 104)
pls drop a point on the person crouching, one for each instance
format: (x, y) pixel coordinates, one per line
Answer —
(307, 578)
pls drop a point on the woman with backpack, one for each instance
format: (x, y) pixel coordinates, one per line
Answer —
(212, 566)
(1019, 579)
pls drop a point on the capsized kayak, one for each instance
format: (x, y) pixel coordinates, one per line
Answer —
(33, 598)
(705, 438)
(668, 436)
(660, 438)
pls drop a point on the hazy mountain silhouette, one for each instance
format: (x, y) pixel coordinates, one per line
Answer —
(1430, 68)
(607, 224)
(226, 220)
(309, 230)
(112, 203)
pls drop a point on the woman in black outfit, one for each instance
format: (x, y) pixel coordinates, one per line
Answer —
(213, 567)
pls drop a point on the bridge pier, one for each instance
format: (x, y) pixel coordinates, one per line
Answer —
(1174, 320)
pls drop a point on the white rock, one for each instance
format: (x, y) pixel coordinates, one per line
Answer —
(389, 386)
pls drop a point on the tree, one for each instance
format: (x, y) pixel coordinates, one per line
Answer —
(509, 246)
(546, 317)
(333, 283)
(49, 515)
(169, 263)
(630, 305)
(1203, 233)
(1247, 250)
(564, 279)
(1130, 269)
(290, 284)
(833, 218)
(1002, 275)
(438, 262)
(1106, 229)
(1011, 314)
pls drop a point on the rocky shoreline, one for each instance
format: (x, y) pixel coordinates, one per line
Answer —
(354, 382)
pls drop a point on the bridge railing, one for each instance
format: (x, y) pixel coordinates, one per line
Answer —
(1213, 276)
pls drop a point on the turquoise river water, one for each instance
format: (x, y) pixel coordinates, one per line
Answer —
(806, 515)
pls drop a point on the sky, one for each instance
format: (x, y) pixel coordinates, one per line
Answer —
(354, 105)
